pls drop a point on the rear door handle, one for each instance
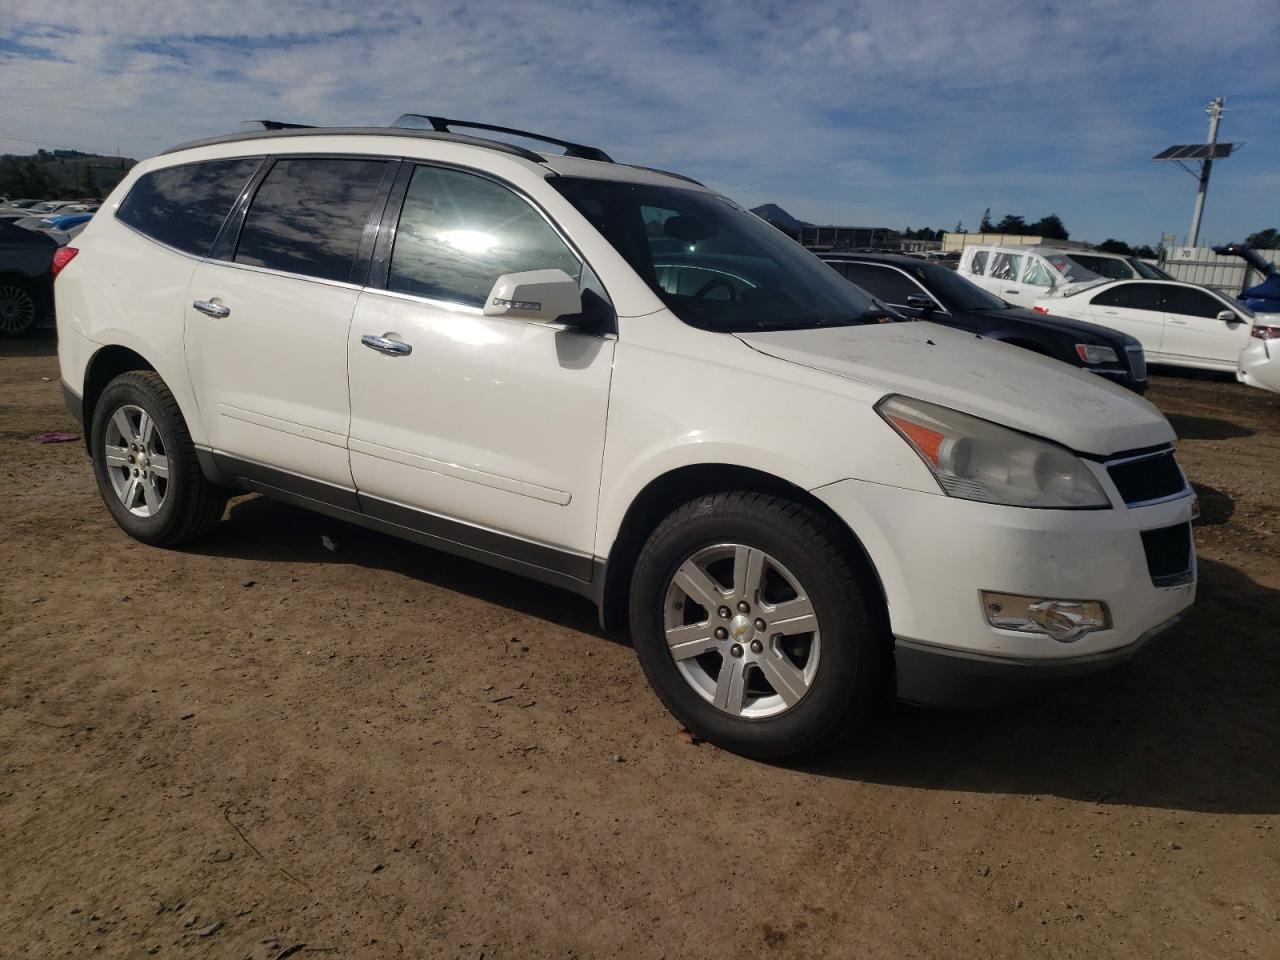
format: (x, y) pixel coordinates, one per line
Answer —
(211, 309)
(394, 348)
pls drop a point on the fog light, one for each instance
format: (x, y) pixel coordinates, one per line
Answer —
(1064, 620)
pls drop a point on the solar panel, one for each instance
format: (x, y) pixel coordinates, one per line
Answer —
(1195, 151)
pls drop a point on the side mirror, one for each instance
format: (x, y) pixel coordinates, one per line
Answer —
(1228, 316)
(921, 303)
(540, 295)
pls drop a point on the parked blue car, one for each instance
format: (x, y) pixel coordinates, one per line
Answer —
(1265, 296)
(66, 221)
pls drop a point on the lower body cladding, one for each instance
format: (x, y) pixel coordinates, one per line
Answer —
(941, 559)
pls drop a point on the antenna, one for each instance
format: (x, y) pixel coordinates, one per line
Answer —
(1206, 153)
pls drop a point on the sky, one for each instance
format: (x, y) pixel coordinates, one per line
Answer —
(878, 113)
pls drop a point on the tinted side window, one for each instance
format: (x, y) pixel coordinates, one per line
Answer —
(1134, 296)
(1103, 266)
(458, 233)
(883, 283)
(1191, 303)
(308, 216)
(979, 263)
(184, 206)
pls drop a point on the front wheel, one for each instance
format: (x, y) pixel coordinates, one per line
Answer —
(758, 626)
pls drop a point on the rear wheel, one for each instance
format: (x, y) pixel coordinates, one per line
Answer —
(146, 465)
(19, 308)
(757, 626)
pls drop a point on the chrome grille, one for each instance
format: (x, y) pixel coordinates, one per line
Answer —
(1147, 477)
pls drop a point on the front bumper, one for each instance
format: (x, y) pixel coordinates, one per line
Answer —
(1122, 377)
(1260, 364)
(938, 677)
(934, 555)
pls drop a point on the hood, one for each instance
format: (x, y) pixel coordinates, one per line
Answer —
(1004, 384)
(1061, 324)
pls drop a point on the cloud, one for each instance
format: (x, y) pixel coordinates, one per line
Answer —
(909, 112)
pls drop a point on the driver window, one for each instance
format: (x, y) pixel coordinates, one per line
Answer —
(459, 232)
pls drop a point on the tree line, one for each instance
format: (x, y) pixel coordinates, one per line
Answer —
(60, 174)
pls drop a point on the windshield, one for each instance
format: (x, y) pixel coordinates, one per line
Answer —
(715, 265)
(955, 292)
(1147, 271)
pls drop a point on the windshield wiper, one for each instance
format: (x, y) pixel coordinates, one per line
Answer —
(877, 316)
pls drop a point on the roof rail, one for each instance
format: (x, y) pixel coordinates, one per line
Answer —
(442, 125)
(665, 173)
(280, 125)
(498, 145)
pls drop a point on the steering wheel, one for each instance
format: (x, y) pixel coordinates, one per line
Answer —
(712, 284)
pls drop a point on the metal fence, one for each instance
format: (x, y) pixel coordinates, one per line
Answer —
(1201, 265)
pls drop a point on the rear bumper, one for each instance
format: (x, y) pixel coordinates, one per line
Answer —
(74, 402)
(1260, 365)
(937, 677)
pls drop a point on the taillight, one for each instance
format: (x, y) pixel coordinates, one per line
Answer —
(61, 257)
(1040, 309)
(1266, 333)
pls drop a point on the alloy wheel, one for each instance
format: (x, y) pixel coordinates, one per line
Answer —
(136, 460)
(17, 309)
(742, 631)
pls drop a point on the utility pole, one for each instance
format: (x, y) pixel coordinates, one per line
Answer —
(1215, 110)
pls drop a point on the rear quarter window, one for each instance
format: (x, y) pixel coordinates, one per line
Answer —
(184, 206)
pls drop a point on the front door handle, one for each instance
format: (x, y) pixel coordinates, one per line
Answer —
(1013, 291)
(394, 348)
(212, 309)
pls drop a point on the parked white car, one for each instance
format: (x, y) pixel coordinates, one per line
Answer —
(1180, 324)
(799, 509)
(1260, 360)
(1022, 275)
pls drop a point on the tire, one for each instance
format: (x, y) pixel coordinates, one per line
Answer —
(825, 680)
(20, 307)
(169, 500)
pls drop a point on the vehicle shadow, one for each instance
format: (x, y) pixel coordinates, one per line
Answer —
(259, 528)
(1206, 428)
(40, 343)
(1216, 507)
(1191, 723)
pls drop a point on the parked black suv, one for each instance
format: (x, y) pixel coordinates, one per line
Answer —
(927, 291)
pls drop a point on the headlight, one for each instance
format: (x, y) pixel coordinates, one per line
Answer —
(1091, 353)
(975, 459)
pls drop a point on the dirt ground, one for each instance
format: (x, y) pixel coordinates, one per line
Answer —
(256, 747)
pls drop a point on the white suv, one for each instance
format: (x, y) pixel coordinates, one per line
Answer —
(618, 382)
(1023, 275)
